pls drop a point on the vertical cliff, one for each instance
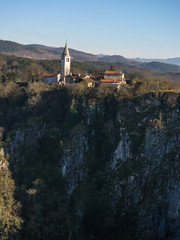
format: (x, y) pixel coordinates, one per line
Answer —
(107, 169)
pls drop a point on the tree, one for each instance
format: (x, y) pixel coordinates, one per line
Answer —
(11, 76)
(3, 79)
(2, 63)
(10, 221)
(33, 73)
(113, 68)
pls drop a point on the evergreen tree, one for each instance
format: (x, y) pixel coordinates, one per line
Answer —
(10, 221)
(113, 68)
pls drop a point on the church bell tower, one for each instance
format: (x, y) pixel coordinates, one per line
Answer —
(65, 63)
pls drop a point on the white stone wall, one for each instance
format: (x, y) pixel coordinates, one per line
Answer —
(53, 79)
(65, 66)
(114, 77)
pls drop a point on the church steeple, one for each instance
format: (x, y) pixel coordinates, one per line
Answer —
(65, 63)
(66, 51)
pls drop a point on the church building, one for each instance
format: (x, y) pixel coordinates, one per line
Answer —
(65, 76)
(65, 65)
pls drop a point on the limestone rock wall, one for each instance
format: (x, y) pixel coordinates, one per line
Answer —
(131, 148)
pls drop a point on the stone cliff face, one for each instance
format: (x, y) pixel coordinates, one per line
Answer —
(121, 166)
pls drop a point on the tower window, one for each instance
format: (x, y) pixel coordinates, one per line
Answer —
(67, 59)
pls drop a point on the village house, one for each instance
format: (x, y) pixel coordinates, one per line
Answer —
(113, 77)
(93, 80)
(90, 82)
(52, 78)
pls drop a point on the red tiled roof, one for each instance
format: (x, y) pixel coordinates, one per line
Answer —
(100, 76)
(92, 77)
(113, 72)
(50, 75)
(107, 80)
(110, 81)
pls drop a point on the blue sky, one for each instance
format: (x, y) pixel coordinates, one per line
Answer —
(131, 28)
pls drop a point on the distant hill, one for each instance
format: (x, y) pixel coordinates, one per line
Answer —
(41, 52)
(118, 59)
(175, 61)
(162, 67)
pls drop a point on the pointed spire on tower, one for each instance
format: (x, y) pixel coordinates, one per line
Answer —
(66, 51)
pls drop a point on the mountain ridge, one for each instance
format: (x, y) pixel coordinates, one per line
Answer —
(42, 52)
(174, 61)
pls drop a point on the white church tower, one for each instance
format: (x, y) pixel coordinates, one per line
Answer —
(65, 63)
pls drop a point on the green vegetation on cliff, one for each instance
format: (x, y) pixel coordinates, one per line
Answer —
(88, 163)
(10, 220)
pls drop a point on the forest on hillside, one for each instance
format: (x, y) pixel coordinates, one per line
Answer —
(18, 69)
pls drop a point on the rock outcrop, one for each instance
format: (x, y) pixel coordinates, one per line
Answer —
(120, 164)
